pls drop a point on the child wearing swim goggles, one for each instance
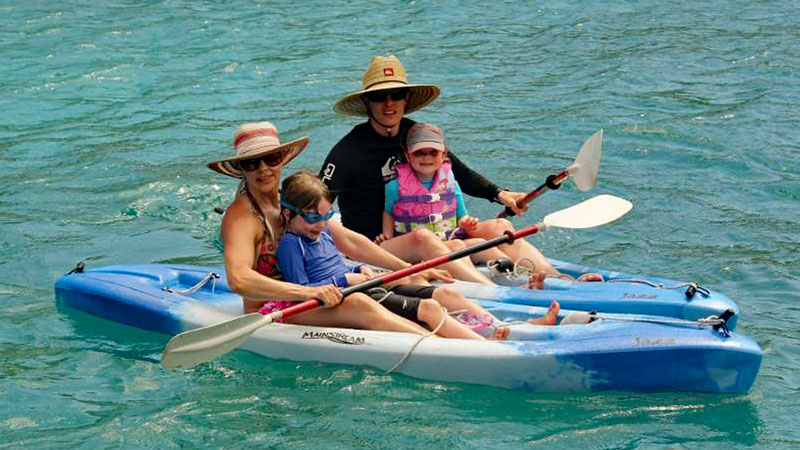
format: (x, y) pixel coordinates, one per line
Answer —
(307, 255)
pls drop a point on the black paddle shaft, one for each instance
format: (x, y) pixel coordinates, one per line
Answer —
(552, 183)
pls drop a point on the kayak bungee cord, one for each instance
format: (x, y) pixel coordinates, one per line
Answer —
(421, 338)
(419, 341)
(211, 276)
(504, 268)
(691, 288)
(717, 322)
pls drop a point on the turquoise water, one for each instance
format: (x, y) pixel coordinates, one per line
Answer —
(110, 110)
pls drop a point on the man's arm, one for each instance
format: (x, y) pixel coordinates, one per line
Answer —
(476, 185)
(335, 180)
(472, 183)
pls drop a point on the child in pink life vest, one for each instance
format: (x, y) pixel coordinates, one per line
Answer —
(425, 194)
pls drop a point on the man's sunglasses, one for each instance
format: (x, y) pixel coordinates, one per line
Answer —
(309, 217)
(270, 159)
(379, 96)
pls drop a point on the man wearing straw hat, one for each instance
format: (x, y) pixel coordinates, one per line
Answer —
(359, 165)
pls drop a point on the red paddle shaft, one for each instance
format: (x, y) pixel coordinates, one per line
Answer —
(553, 182)
(507, 237)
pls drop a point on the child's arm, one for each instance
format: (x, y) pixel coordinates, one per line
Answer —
(465, 221)
(355, 278)
(387, 230)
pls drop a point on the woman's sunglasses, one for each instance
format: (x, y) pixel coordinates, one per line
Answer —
(270, 159)
(309, 217)
(394, 94)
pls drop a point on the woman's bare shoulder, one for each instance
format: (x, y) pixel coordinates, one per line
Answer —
(239, 214)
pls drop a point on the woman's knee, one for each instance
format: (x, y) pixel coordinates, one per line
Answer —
(361, 302)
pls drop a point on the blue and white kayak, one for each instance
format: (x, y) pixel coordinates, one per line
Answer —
(620, 293)
(628, 355)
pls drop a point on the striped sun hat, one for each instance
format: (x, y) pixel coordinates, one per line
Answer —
(256, 139)
(384, 73)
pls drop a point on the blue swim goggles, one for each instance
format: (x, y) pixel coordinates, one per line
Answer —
(309, 217)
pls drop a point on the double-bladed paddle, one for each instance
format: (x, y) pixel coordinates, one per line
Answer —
(583, 172)
(193, 347)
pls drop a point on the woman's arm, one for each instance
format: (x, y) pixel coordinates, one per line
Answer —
(240, 232)
(358, 247)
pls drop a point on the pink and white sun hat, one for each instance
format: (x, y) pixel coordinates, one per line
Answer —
(255, 139)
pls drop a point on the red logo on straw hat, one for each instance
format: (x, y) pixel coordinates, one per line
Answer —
(388, 72)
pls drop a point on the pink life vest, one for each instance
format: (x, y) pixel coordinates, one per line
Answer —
(418, 207)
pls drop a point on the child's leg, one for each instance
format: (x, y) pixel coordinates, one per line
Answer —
(357, 311)
(444, 295)
(454, 301)
(432, 314)
(550, 317)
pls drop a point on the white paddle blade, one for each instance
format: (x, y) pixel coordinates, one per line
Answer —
(594, 212)
(587, 163)
(194, 347)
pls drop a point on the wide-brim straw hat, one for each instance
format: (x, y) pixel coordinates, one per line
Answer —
(255, 139)
(384, 73)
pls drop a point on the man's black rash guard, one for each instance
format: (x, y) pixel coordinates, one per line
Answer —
(359, 165)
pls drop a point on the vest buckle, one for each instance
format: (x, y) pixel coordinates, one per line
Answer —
(434, 197)
(433, 218)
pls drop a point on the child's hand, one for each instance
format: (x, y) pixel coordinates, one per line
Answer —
(468, 223)
(381, 238)
(355, 278)
(367, 272)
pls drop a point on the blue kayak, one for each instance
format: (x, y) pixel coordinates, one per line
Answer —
(627, 352)
(620, 293)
